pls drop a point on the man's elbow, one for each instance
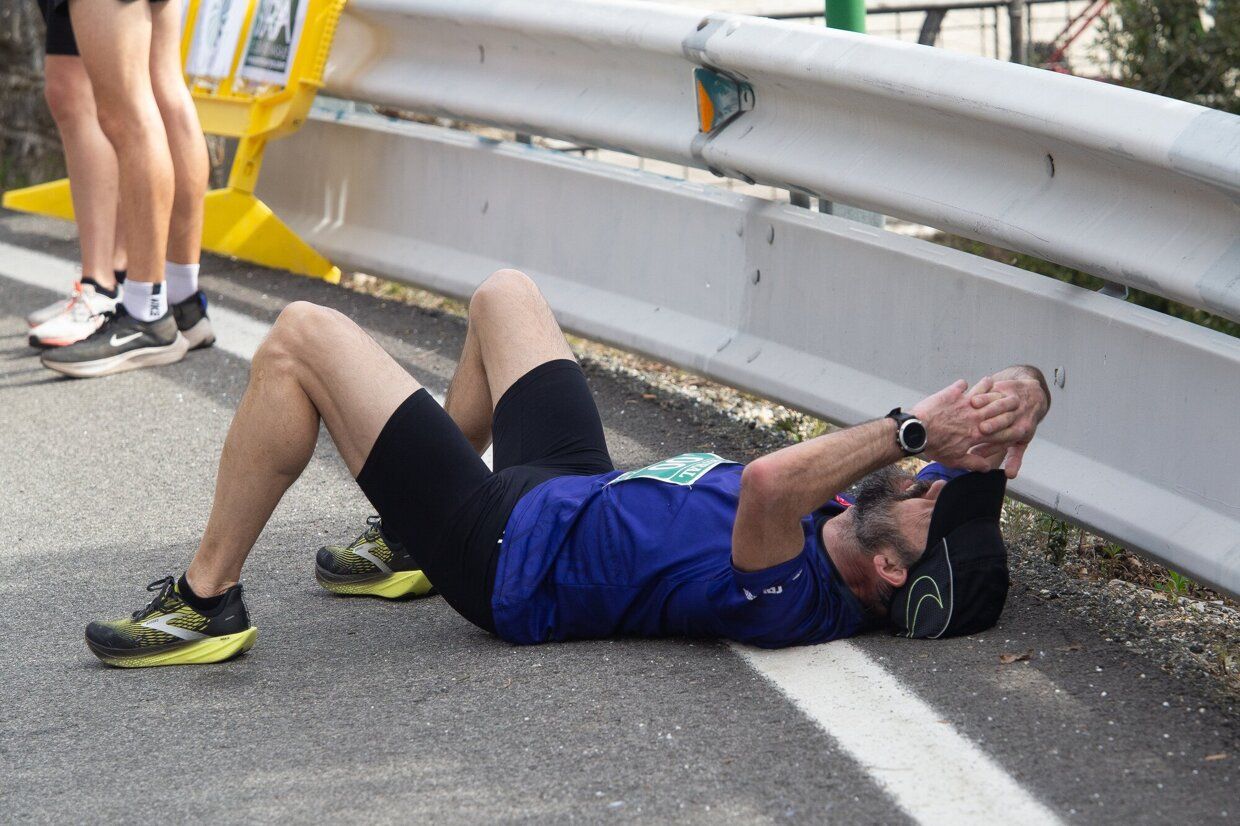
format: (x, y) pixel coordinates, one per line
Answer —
(762, 483)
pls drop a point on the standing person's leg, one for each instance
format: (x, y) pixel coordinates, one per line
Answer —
(91, 162)
(120, 254)
(191, 167)
(114, 37)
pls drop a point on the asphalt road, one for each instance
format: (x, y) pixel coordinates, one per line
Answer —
(370, 711)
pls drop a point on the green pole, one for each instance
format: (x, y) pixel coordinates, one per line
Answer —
(846, 14)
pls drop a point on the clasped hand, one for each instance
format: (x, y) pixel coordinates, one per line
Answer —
(985, 426)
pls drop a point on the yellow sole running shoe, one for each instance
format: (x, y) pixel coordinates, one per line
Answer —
(169, 631)
(373, 565)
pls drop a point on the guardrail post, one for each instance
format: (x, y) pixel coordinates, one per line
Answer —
(1017, 9)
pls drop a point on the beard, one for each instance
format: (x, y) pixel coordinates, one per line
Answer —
(873, 513)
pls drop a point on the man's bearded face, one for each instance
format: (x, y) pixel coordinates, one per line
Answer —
(881, 523)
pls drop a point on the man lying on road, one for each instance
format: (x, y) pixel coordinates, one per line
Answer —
(555, 544)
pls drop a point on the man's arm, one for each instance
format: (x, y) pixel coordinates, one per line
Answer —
(777, 490)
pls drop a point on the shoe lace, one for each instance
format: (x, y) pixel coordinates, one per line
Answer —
(105, 327)
(74, 298)
(167, 590)
(83, 308)
(372, 532)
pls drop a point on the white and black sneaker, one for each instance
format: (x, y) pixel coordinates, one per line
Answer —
(121, 343)
(192, 321)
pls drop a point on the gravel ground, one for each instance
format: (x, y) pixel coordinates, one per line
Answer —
(1194, 636)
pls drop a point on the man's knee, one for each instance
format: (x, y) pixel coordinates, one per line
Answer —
(68, 93)
(298, 331)
(129, 123)
(503, 288)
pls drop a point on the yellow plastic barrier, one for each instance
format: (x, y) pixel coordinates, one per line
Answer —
(237, 223)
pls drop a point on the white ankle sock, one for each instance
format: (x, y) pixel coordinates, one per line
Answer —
(182, 281)
(144, 300)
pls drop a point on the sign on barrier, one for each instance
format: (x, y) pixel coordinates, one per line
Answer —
(213, 40)
(272, 42)
(254, 87)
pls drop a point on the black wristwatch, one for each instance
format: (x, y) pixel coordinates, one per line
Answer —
(910, 432)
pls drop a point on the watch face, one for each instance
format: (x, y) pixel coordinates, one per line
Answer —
(913, 434)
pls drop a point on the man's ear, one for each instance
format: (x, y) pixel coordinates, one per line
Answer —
(889, 569)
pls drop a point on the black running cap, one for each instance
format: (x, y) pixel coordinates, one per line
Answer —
(960, 583)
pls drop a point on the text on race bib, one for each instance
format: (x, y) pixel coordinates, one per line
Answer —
(684, 469)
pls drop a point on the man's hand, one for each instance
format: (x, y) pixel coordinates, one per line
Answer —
(1011, 432)
(961, 423)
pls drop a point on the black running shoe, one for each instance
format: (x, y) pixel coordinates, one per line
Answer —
(192, 321)
(170, 632)
(121, 343)
(374, 564)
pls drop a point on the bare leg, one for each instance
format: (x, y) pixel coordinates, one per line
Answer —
(316, 364)
(120, 254)
(91, 162)
(511, 331)
(115, 40)
(190, 164)
(469, 397)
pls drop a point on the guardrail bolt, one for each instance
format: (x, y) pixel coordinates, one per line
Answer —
(770, 234)
(1060, 376)
(757, 276)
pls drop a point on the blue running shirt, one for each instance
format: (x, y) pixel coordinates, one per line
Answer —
(649, 553)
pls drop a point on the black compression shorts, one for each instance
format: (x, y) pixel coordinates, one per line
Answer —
(60, 39)
(439, 499)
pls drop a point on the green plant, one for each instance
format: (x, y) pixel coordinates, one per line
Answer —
(1184, 49)
(1055, 536)
(1110, 550)
(1175, 584)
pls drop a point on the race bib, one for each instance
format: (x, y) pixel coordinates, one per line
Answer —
(684, 469)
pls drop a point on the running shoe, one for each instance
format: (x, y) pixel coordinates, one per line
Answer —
(374, 564)
(170, 632)
(37, 317)
(77, 319)
(121, 343)
(192, 321)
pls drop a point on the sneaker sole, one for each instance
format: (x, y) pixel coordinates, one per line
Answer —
(201, 335)
(132, 360)
(389, 586)
(199, 652)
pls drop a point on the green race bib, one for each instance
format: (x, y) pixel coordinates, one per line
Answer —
(684, 469)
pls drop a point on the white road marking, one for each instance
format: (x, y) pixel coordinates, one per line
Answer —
(930, 770)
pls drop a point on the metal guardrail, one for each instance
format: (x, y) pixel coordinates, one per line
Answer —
(833, 317)
(1134, 188)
